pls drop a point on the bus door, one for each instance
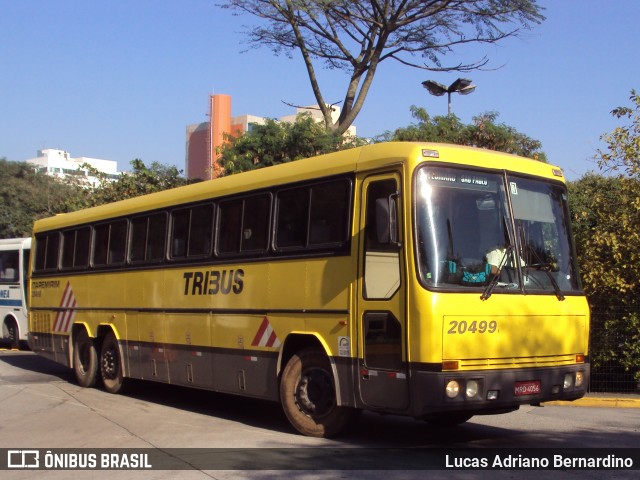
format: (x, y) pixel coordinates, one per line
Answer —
(382, 333)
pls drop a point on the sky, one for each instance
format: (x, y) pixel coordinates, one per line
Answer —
(121, 79)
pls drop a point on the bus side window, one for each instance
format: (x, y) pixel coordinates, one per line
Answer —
(314, 216)
(293, 217)
(192, 231)
(179, 232)
(47, 245)
(201, 230)
(100, 244)
(329, 216)
(9, 266)
(75, 248)
(117, 242)
(255, 223)
(156, 234)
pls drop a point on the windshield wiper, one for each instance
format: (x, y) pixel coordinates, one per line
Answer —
(545, 268)
(495, 281)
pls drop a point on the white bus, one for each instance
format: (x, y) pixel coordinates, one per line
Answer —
(14, 267)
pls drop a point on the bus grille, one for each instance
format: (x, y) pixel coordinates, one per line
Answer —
(518, 362)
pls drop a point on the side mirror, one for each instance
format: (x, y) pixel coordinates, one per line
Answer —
(387, 220)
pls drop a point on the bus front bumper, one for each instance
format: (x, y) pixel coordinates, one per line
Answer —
(496, 391)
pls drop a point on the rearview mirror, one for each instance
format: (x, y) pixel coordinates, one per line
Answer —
(387, 220)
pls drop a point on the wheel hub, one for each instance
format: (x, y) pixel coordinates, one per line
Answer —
(314, 394)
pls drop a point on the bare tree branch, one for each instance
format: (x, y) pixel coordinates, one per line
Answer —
(357, 36)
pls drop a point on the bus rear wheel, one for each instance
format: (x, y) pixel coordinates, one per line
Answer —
(85, 359)
(308, 397)
(111, 364)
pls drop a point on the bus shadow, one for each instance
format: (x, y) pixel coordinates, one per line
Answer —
(371, 430)
(32, 368)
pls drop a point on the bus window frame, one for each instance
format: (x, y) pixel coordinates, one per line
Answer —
(240, 253)
(312, 248)
(171, 229)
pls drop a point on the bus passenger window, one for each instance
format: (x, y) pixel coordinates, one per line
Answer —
(75, 248)
(117, 242)
(100, 244)
(47, 252)
(255, 223)
(200, 230)
(330, 205)
(157, 232)
(179, 232)
(138, 239)
(229, 228)
(192, 231)
(293, 217)
(81, 251)
(9, 266)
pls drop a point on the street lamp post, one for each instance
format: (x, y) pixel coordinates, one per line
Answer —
(462, 85)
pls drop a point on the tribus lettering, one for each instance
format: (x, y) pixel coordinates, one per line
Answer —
(212, 282)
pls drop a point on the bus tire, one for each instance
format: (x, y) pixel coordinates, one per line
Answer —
(447, 419)
(308, 397)
(85, 359)
(10, 332)
(111, 364)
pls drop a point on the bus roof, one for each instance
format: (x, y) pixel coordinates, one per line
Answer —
(364, 158)
(22, 242)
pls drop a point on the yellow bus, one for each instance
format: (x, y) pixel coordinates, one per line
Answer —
(426, 280)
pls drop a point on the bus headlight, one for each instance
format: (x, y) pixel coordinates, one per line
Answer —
(568, 381)
(453, 389)
(579, 379)
(472, 389)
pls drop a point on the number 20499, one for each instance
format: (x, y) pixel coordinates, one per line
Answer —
(482, 326)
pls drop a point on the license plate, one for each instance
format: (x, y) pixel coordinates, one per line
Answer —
(527, 388)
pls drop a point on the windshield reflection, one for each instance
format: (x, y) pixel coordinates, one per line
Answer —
(466, 237)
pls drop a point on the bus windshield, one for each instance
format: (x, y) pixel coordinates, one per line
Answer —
(475, 229)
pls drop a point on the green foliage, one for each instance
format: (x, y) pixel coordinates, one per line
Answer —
(606, 223)
(623, 144)
(140, 181)
(27, 195)
(483, 133)
(280, 142)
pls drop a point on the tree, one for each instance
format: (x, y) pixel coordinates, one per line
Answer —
(27, 195)
(357, 36)
(483, 133)
(140, 181)
(280, 142)
(623, 144)
(606, 222)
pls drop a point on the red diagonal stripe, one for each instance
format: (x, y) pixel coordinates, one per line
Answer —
(263, 327)
(64, 299)
(272, 339)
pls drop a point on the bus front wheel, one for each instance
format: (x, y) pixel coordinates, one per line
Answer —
(85, 359)
(308, 397)
(111, 365)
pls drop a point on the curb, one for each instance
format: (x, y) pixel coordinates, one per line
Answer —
(633, 401)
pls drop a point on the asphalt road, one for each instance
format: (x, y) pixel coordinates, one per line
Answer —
(42, 408)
